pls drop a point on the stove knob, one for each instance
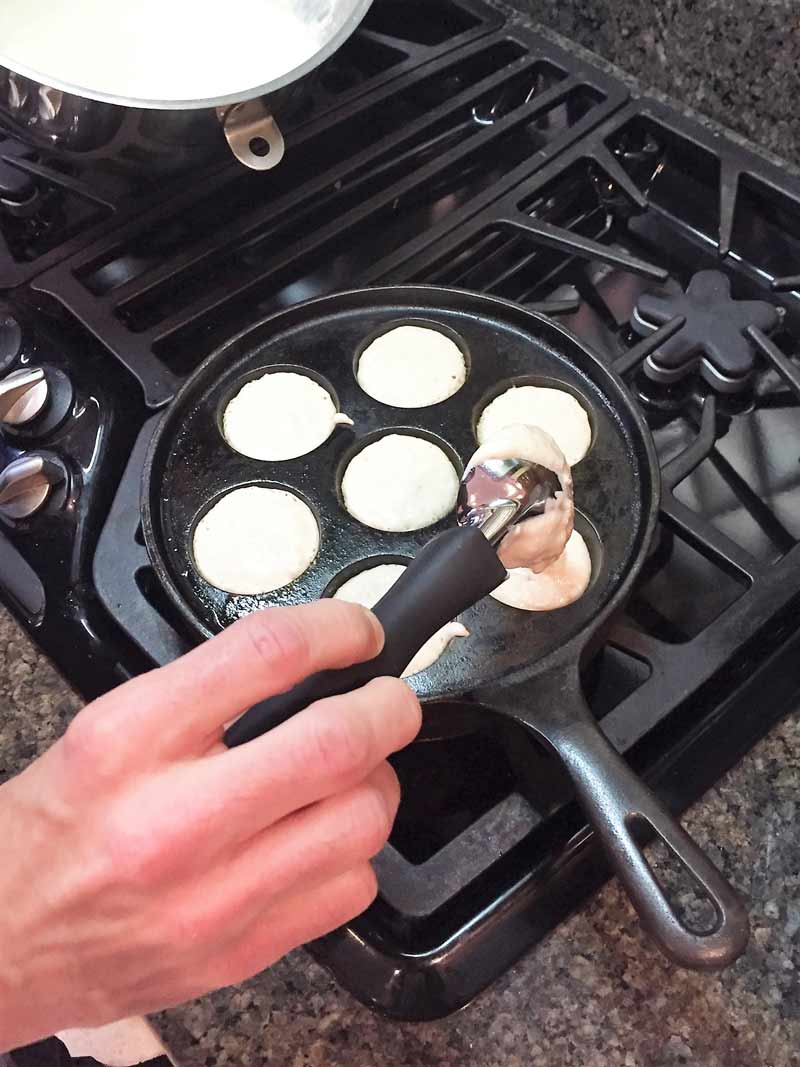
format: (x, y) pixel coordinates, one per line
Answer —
(23, 395)
(27, 482)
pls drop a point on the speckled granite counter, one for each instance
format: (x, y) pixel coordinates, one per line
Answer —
(35, 702)
(737, 61)
(594, 994)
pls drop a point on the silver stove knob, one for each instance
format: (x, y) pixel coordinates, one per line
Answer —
(26, 483)
(23, 395)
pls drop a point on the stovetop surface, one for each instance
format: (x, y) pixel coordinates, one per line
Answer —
(448, 144)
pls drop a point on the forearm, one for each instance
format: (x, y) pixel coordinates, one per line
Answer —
(37, 902)
(18, 1001)
(17, 1027)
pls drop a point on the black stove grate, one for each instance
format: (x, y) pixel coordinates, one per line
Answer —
(163, 290)
(52, 205)
(45, 207)
(478, 155)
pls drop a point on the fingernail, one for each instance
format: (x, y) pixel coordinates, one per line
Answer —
(377, 630)
(391, 799)
(392, 804)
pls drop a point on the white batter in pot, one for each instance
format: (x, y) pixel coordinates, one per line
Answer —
(280, 416)
(553, 410)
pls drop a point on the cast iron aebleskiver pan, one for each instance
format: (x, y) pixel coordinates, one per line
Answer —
(523, 665)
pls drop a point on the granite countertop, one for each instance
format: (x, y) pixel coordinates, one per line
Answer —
(594, 994)
(737, 62)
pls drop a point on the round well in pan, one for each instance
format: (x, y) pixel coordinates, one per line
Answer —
(400, 480)
(279, 413)
(548, 411)
(254, 539)
(413, 363)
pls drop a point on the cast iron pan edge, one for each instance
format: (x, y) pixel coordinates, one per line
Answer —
(411, 294)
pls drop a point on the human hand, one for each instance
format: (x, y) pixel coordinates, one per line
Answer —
(145, 864)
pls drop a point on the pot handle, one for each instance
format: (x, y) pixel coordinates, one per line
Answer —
(615, 799)
(253, 134)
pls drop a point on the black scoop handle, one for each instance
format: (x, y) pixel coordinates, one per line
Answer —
(452, 572)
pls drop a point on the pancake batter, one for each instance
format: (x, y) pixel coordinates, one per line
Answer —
(279, 416)
(553, 410)
(255, 540)
(548, 561)
(400, 483)
(412, 367)
(562, 583)
(539, 541)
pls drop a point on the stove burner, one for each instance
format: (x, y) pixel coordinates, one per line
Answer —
(713, 335)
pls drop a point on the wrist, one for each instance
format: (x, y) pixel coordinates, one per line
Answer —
(16, 1028)
(23, 1001)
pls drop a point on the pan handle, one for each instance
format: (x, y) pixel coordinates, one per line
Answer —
(615, 799)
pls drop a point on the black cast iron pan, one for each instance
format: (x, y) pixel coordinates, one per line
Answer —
(522, 665)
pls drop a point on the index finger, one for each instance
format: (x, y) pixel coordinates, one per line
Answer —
(183, 707)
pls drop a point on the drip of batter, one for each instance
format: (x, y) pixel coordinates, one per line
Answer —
(539, 541)
(562, 583)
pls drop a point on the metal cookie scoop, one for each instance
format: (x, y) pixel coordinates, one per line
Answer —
(497, 493)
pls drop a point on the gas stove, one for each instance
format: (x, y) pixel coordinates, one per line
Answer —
(448, 144)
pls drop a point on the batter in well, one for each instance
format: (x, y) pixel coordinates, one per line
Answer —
(538, 541)
(549, 564)
(400, 483)
(255, 540)
(562, 583)
(279, 416)
(412, 367)
(553, 410)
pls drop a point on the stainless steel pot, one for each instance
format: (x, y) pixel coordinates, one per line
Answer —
(168, 82)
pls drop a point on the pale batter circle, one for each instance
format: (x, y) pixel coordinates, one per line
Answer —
(280, 416)
(411, 366)
(555, 411)
(255, 540)
(400, 483)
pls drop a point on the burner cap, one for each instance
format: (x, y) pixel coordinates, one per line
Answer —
(712, 336)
